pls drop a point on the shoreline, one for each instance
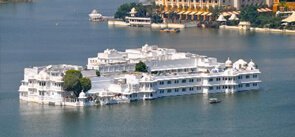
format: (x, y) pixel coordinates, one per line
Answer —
(256, 29)
(121, 23)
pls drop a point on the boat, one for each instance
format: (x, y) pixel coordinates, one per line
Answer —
(174, 30)
(214, 100)
(95, 16)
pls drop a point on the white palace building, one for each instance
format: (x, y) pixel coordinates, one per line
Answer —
(170, 73)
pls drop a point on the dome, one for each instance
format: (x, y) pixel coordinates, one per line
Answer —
(82, 95)
(251, 63)
(228, 63)
(133, 11)
(240, 64)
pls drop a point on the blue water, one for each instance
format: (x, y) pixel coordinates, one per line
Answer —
(53, 32)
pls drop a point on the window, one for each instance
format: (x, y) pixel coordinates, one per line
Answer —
(191, 80)
(247, 85)
(169, 82)
(183, 89)
(135, 95)
(240, 85)
(176, 81)
(183, 81)
(199, 88)
(191, 89)
(161, 82)
(176, 90)
(198, 79)
(210, 79)
(168, 90)
(217, 79)
(247, 76)
(254, 84)
(211, 88)
(254, 76)
(161, 91)
(218, 87)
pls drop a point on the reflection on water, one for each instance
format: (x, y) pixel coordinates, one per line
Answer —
(15, 1)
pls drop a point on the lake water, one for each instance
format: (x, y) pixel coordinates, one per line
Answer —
(54, 31)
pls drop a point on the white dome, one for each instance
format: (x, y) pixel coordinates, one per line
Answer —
(240, 64)
(251, 63)
(82, 95)
(228, 63)
(133, 11)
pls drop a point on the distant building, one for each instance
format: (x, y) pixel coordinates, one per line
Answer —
(43, 84)
(171, 73)
(205, 4)
(290, 5)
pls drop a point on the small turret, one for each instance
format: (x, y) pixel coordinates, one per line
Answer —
(133, 12)
(251, 65)
(228, 63)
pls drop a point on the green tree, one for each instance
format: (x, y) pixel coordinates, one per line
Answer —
(124, 10)
(157, 18)
(74, 82)
(85, 84)
(216, 11)
(76, 73)
(97, 72)
(141, 10)
(250, 14)
(141, 67)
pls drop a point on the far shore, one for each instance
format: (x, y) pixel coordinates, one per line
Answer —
(256, 29)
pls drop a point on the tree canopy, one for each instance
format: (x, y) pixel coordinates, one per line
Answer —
(157, 18)
(268, 20)
(249, 13)
(85, 84)
(141, 67)
(74, 82)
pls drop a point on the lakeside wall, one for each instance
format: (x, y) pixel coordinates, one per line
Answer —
(265, 30)
(121, 23)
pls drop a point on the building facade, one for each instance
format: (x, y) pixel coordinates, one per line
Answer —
(44, 84)
(170, 73)
(288, 6)
(205, 4)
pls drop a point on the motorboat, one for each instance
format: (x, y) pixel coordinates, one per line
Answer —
(214, 100)
(174, 30)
